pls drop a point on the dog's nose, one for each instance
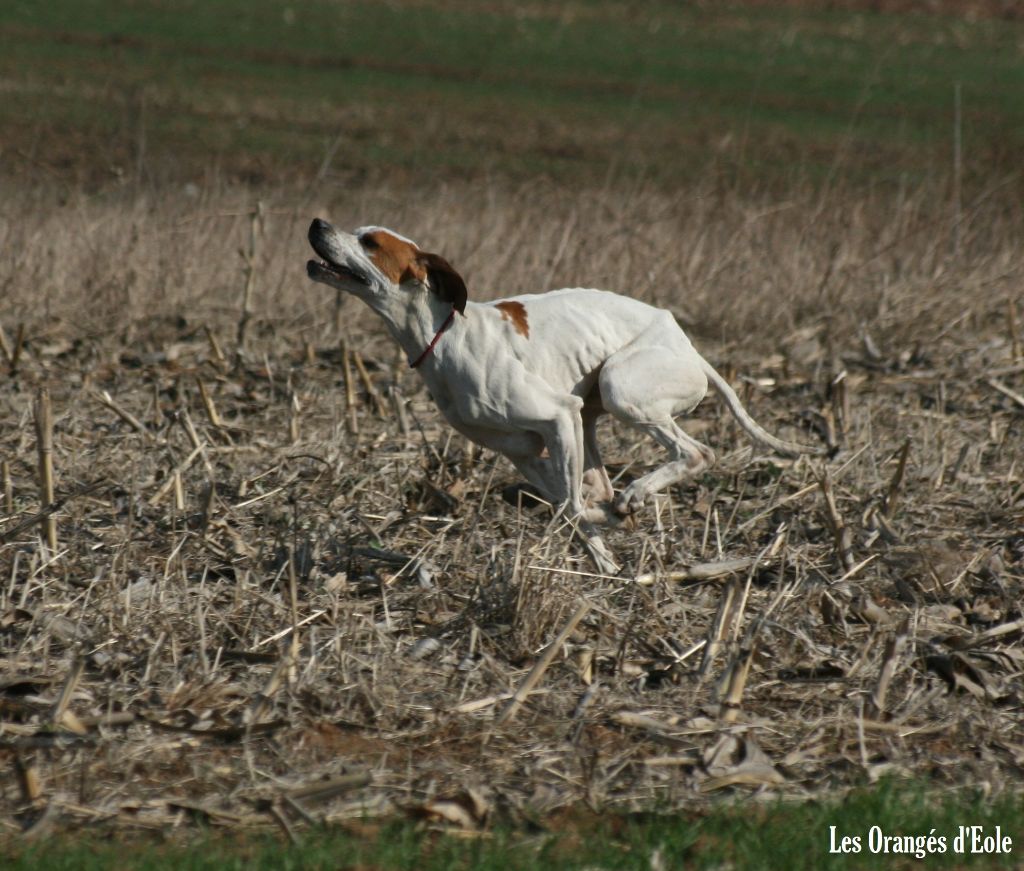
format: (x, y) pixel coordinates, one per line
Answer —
(318, 228)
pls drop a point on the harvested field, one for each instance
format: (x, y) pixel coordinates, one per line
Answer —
(280, 590)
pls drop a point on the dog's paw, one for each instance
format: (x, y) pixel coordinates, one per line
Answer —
(602, 514)
(628, 502)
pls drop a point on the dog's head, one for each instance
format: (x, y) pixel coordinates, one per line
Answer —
(375, 262)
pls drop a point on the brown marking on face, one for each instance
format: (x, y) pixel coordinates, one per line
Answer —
(395, 257)
(515, 313)
(401, 261)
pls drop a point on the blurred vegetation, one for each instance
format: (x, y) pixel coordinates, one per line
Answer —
(264, 91)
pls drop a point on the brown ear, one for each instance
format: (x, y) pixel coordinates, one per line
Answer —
(444, 280)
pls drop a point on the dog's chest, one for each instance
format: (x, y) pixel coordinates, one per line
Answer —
(468, 388)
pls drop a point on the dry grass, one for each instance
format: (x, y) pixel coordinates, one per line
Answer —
(268, 591)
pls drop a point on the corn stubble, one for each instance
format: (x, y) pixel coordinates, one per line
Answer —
(265, 585)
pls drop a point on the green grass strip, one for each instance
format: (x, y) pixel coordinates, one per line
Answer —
(746, 834)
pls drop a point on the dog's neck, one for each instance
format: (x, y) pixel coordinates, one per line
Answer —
(415, 323)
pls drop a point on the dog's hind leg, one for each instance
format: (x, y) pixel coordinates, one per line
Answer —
(689, 459)
(597, 488)
(646, 387)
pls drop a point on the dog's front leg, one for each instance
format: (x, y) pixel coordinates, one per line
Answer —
(565, 442)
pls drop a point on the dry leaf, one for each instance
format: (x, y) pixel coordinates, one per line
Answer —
(869, 611)
(962, 674)
(467, 810)
(738, 761)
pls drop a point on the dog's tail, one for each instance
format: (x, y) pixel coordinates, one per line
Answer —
(755, 430)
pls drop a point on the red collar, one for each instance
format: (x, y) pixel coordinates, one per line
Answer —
(437, 337)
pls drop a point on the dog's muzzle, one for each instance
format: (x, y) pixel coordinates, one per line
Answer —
(321, 236)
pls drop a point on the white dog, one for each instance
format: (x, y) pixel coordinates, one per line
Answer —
(529, 376)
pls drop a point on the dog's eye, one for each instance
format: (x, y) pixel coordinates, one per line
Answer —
(367, 241)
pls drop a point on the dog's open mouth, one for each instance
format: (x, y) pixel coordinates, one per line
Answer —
(319, 270)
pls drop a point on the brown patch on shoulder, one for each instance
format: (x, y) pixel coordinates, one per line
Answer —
(395, 257)
(515, 313)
